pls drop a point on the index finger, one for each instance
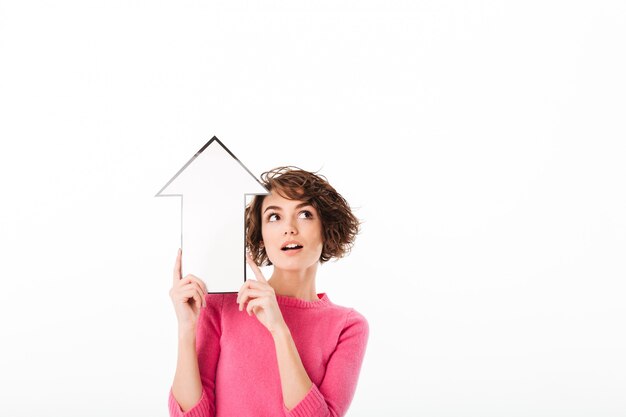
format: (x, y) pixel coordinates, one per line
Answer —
(177, 269)
(255, 268)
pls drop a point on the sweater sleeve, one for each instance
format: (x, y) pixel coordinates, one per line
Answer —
(208, 333)
(335, 392)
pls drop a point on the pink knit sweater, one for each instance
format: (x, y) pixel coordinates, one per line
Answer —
(239, 369)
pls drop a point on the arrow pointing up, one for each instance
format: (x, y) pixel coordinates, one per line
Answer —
(213, 186)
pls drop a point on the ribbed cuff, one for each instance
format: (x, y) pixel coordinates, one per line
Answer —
(201, 409)
(313, 404)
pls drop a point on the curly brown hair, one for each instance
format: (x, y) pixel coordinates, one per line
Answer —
(339, 225)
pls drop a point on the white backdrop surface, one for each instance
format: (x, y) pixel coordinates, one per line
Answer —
(482, 143)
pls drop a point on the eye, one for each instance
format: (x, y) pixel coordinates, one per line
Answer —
(309, 214)
(269, 218)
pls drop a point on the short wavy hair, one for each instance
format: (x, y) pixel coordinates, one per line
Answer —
(339, 225)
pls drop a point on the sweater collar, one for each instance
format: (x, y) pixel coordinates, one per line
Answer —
(298, 302)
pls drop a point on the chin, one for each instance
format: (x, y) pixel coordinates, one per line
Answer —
(292, 264)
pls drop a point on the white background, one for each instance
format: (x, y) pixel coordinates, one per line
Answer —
(482, 143)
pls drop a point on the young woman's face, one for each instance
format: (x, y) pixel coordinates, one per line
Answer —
(286, 221)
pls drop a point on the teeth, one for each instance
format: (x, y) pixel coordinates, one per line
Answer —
(291, 246)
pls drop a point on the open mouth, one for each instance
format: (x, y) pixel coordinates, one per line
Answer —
(291, 247)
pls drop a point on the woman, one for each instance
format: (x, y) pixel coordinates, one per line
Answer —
(276, 348)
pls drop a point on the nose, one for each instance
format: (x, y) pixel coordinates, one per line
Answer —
(291, 229)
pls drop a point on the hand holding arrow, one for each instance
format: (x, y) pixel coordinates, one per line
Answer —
(258, 298)
(187, 295)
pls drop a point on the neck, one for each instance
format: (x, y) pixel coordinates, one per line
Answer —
(298, 283)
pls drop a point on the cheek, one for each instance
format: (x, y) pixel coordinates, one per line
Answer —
(268, 237)
(319, 234)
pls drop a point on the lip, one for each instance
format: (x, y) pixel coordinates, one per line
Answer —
(289, 242)
(291, 252)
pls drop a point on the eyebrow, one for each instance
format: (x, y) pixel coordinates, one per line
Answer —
(278, 208)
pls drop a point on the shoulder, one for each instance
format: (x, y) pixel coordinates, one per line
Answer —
(354, 323)
(357, 320)
(356, 317)
(354, 334)
(351, 314)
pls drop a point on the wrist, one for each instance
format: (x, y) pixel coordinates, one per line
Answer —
(186, 333)
(280, 330)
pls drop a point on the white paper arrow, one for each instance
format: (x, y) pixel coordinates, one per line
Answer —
(212, 188)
